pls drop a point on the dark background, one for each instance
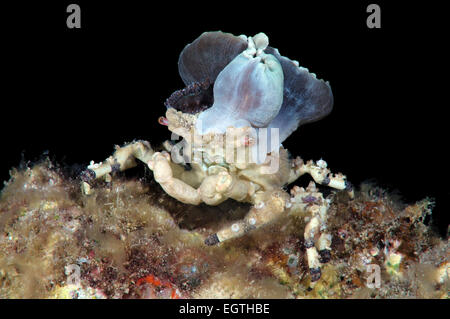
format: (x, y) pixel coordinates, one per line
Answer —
(76, 93)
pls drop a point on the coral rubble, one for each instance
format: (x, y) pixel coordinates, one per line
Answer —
(129, 239)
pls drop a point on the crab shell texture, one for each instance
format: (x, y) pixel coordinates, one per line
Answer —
(252, 86)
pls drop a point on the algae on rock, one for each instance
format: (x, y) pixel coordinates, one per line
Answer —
(131, 240)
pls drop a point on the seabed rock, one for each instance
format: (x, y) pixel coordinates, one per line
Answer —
(131, 240)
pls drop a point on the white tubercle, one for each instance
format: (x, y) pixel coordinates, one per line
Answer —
(261, 41)
(243, 37)
(256, 45)
(321, 163)
(235, 227)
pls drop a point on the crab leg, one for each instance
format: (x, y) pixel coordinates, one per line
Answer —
(268, 207)
(160, 164)
(123, 158)
(312, 202)
(213, 190)
(321, 175)
(315, 258)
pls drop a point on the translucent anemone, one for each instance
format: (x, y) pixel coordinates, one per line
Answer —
(241, 81)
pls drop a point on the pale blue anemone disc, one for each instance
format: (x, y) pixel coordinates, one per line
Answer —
(247, 92)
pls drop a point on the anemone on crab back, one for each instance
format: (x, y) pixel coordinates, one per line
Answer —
(241, 81)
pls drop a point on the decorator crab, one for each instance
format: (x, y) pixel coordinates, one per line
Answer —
(242, 100)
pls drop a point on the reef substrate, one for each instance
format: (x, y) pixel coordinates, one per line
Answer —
(131, 240)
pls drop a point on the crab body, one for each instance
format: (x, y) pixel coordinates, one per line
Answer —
(198, 157)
